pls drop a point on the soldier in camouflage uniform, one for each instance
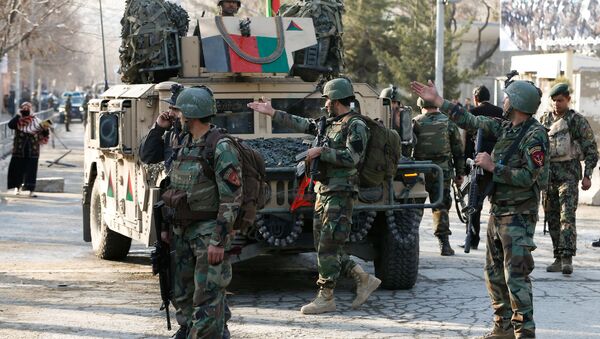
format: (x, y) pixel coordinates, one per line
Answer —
(571, 140)
(438, 140)
(202, 269)
(336, 191)
(519, 166)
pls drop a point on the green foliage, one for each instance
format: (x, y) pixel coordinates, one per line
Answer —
(382, 48)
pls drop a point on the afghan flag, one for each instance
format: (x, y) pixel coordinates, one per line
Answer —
(272, 7)
(268, 49)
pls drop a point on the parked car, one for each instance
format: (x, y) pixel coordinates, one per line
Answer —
(76, 106)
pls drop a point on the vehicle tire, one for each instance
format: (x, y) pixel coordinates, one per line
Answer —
(107, 244)
(61, 118)
(397, 264)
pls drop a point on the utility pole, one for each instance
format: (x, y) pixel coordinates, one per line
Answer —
(439, 48)
(103, 48)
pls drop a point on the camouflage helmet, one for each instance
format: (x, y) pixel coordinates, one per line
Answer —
(338, 88)
(560, 88)
(524, 96)
(425, 104)
(196, 102)
(390, 93)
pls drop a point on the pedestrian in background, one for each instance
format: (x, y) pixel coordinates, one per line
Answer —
(571, 140)
(30, 133)
(68, 107)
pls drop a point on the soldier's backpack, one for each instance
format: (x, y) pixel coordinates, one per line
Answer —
(434, 140)
(382, 154)
(254, 186)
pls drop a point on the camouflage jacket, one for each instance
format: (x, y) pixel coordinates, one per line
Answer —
(224, 193)
(444, 147)
(520, 179)
(346, 148)
(582, 133)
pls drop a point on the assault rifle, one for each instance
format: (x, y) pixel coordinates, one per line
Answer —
(475, 196)
(459, 198)
(161, 262)
(320, 141)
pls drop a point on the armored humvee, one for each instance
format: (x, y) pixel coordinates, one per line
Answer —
(119, 190)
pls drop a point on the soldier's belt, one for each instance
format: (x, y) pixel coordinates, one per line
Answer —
(187, 217)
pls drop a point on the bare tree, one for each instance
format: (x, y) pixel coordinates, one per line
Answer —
(21, 19)
(481, 57)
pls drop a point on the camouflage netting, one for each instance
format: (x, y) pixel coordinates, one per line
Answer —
(278, 152)
(327, 57)
(146, 25)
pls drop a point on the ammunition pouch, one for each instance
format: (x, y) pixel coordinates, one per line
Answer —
(182, 215)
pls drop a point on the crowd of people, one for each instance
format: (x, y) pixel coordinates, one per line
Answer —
(535, 24)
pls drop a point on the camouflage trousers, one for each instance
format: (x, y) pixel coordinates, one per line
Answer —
(441, 221)
(199, 288)
(507, 267)
(560, 206)
(332, 223)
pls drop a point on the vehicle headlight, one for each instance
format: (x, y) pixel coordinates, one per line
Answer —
(80, 109)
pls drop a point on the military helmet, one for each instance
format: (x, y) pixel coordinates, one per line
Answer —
(337, 89)
(196, 102)
(391, 93)
(175, 91)
(524, 96)
(560, 88)
(425, 104)
(221, 1)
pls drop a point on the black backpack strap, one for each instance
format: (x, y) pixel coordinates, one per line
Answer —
(489, 188)
(208, 154)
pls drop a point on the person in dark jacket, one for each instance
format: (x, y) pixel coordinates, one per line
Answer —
(30, 133)
(483, 107)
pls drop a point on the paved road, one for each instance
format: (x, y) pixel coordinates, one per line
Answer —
(51, 285)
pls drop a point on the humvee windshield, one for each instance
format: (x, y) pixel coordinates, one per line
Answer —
(235, 116)
(307, 108)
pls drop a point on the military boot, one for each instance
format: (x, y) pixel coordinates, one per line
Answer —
(365, 285)
(596, 243)
(324, 302)
(555, 266)
(445, 249)
(567, 265)
(182, 333)
(502, 330)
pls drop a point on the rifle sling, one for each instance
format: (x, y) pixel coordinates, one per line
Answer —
(513, 148)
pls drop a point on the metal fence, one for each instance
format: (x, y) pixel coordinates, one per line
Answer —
(7, 134)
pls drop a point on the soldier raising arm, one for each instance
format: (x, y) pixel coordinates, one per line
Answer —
(336, 191)
(519, 167)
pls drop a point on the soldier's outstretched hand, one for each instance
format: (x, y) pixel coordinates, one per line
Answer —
(427, 92)
(262, 106)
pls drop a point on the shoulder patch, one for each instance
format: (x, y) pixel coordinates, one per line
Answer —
(537, 155)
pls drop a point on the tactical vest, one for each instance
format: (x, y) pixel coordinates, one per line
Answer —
(562, 146)
(508, 195)
(433, 139)
(187, 174)
(337, 133)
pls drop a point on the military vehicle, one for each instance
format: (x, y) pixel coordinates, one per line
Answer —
(119, 190)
